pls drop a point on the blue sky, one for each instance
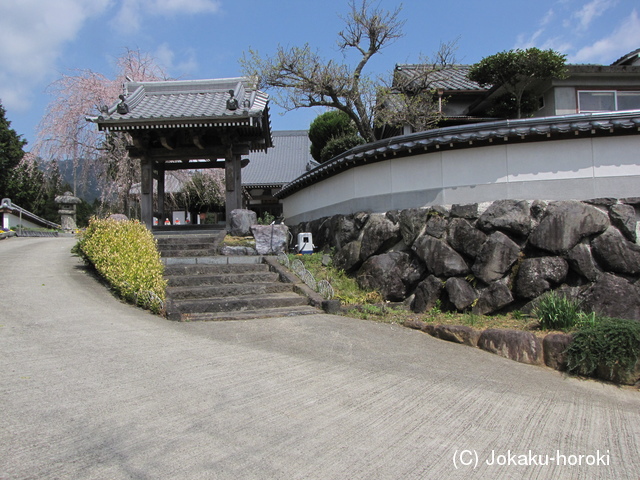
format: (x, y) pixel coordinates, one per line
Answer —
(196, 39)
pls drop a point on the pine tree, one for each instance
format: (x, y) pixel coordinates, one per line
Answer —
(11, 152)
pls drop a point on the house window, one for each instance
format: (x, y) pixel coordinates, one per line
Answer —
(628, 100)
(607, 100)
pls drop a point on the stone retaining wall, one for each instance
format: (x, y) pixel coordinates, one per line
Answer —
(488, 258)
(523, 347)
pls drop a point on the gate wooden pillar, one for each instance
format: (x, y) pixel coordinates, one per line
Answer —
(233, 179)
(146, 191)
(161, 192)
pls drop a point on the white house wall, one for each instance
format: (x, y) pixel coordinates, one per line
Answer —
(577, 169)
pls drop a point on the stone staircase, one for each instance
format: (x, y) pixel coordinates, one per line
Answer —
(203, 285)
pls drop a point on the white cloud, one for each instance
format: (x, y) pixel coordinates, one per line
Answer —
(185, 63)
(625, 38)
(592, 10)
(186, 6)
(32, 35)
(129, 17)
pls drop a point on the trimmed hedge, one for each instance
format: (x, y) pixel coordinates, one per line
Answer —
(125, 254)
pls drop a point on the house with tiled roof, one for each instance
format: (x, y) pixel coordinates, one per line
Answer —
(268, 171)
(587, 89)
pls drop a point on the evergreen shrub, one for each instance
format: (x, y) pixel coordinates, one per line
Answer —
(125, 254)
(608, 342)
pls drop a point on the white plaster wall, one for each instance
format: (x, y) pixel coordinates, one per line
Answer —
(10, 220)
(578, 169)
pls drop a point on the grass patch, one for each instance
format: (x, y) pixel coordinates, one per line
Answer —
(557, 312)
(346, 288)
(231, 241)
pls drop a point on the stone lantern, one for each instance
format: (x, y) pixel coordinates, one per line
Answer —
(67, 210)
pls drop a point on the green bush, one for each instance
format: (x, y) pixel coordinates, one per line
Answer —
(613, 343)
(266, 219)
(557, 312)
(329, 126)
(126, 256)
(337, 145)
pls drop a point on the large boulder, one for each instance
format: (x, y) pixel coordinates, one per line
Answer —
(270, 239)
(523, 347)
(460, 293)
(378, 235)
(343, 230)
(322, 230)
(495, 258)
(511, 216)
(436, 226)
(537, 275)
(493, 298)
(455, 333)
(412, 222)
(392, 274)
(615, 253)
(465, 238)
(441, 260)
(555, 346)
(468, 210)
(623, 217)
(581, 261)
(240, 222)
(118, 217)
(612, 296)
(565, 224)
(427, 293)
(348, 257)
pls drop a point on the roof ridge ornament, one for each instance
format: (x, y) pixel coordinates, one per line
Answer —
(232, 102)
(122, 107)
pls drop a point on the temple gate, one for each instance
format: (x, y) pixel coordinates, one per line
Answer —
(192, 124)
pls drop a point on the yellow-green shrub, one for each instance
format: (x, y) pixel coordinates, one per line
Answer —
(125, 254)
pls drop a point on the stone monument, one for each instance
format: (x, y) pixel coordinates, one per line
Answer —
(67, 210)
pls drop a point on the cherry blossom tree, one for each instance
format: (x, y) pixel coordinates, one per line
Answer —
(64, 133)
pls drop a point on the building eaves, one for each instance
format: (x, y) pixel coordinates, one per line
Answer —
(604, 69)
(466, 136)
(197, 102)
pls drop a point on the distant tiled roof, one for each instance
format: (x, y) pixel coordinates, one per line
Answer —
(287, 160)
(451, 78)
(191, 102)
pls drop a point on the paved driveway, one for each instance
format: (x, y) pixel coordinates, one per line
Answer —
(93, 388)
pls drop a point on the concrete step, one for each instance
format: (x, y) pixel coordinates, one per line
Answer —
(227, 290)
(191, 252)
(217, 287)
(212, 260)
(249, 314)
(197, 245)
(220, 279)
(233, 303)
(214, 269)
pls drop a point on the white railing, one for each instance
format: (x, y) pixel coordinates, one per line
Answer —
(323, 287)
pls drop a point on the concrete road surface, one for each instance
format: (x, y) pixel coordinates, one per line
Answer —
(91, 388)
